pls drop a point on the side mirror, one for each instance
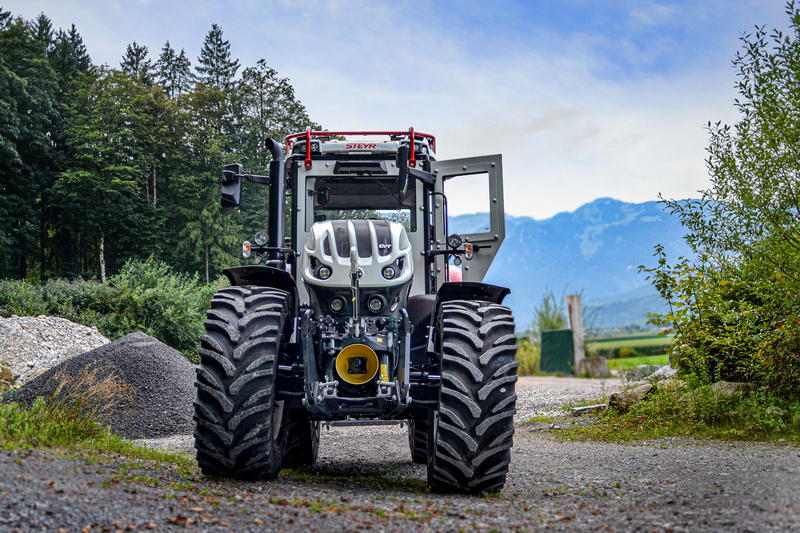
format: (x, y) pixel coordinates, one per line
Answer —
(402, 168)
(324, 196)
(231, 185)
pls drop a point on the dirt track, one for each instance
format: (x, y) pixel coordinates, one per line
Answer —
(366, 482)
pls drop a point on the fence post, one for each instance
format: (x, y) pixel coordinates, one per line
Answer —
(575, 317)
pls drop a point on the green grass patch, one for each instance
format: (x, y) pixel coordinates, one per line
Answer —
(692, 410)
(72, 419)
(638, 341)
(630, 362)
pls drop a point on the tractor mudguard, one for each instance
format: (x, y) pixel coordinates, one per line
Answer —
(468, 290)
(262, 276)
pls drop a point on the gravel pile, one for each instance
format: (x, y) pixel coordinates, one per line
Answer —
(31, 345)
(161, 377)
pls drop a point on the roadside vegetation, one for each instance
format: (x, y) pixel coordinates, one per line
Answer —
(735, 309)
(148, 296)
(73, 418)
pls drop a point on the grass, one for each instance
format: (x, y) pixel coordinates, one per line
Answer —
(692, 409)
(73, 418)
(642, 341)
(630, 362)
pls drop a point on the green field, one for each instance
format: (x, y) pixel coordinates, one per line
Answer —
(641, 341)
(630, 362)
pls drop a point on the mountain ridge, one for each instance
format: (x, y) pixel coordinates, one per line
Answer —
(595, 249)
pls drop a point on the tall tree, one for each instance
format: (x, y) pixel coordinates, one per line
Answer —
(110, 159)
(264, 106)
(173, 72)
(27, 156)
(43, 30)
(69, 57)
(209, 234)
(215, 67)
(136, 65)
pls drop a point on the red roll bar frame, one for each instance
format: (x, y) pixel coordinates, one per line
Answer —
(308, 135)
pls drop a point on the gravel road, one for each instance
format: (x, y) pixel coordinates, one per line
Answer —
(365, 481)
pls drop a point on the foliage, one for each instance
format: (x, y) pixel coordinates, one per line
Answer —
(735, 309)
(550, 314)
(631, 350)
(691, 408)
(83, 302)
(72, 418)
(101, 165)
(151, 297)
(529, 357)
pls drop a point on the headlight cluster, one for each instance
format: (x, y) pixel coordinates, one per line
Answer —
(337, 304)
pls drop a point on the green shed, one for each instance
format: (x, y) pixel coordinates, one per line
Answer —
(557, 351)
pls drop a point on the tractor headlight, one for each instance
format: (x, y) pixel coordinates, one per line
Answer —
(389, 272)
(324, 272)
(261, 238)
(375, 304)
(257, 259)
(246, 249)
(337, 304)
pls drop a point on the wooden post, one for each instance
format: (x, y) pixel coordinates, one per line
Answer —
(575, 317)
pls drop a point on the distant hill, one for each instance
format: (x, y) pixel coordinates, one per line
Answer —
(597, 249)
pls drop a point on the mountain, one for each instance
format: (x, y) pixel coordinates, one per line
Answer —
(595, 249)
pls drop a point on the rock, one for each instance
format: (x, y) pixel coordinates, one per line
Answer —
(578, 411)
(640, 372)
(625, 399)
(775, 412)
(727, 388)
(665, 372)
(4, 385)
(6, 374)
(797, 422)
(594, 366)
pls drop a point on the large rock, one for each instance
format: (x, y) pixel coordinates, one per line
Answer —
(728, 388)
(640, 372)
(161, 378)
(597, 367)
(627, 398)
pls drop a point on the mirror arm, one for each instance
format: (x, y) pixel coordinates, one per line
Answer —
(425, 177)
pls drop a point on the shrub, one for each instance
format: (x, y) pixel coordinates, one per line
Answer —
(83, 302)
(152, 297)
(529, 357)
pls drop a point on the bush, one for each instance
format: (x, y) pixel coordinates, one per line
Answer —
(151, 297)
(83, 302)
(146, 296)
(529, 357)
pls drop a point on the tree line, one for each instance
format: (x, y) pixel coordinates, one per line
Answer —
(100, 165)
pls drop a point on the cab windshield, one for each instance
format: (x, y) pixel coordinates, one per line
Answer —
(363, 197)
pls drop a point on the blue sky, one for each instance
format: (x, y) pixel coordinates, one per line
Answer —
(584, 99)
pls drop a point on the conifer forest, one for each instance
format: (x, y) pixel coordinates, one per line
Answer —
(100, 164)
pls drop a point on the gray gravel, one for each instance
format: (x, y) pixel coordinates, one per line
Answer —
(365, 481)
(161, 377)
(30, 345)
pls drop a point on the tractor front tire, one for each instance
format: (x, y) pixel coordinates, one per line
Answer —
(240, 430)
(472, 430)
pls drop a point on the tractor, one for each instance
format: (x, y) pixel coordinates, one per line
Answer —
(359, 307)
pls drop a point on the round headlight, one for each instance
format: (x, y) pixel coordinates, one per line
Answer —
(257, 259)
(246, 249)
(454, 240)
(389, 273)
(324, 272)
(337, 304)
(375, 304)
(261, 238)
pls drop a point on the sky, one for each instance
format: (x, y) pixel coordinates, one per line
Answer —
(583, 98)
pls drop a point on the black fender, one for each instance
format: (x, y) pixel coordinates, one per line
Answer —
(264, 276)
(468, 290)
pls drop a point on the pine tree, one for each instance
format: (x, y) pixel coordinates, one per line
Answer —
(173, 72)
(69, 58)
(135, 64)
(215, 67)
(43, 30)
(27, 156)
